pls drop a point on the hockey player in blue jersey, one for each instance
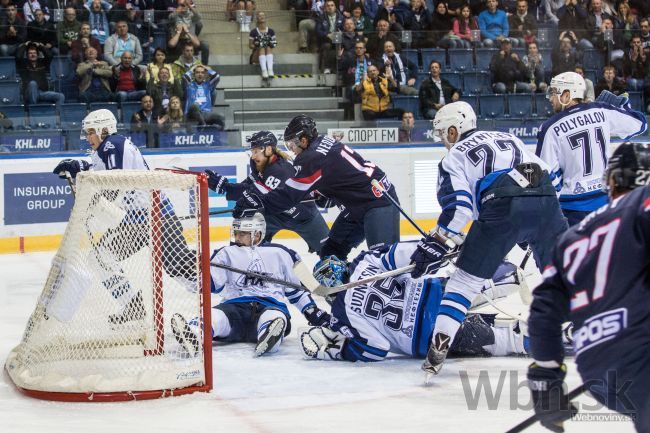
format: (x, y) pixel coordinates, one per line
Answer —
(491, 179)
(575, 142)
(270, 168)
(337, 172)
(253, 310)
(397, 314)
(112, 151)
(598, 278)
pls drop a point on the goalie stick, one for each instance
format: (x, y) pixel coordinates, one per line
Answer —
(381, 188)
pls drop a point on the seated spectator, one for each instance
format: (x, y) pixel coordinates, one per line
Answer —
(375, 44)
(163, 89)
(121, 42)
(636, 65)
(641, 6)
(33, 72)
(199, 85)
(563, 58)
(248, 6)
(328, 23)
(13, 32)
(350, 38)
(94, 76)
(523, 25)
(307, 26)
(420, 24)
(441, 33)
(362, 23)
(626, 21)
(159, 61)
(98, 19)
(610, 82)
(40, 30)
(300, 9)
(375, 98)
(173, 119)
(402, 69)
(573, 18)
(435, 92)
(386, 12)
(189, 20)
(146, 119)
(589, 85)
(180, 36)
(186, 62)
(67, 30)
(354, 70)
(551, 8)
(31, 6)
(463, 26)
(261, 41)
(509, 74)
(596, 16)
(406, 128)
(535, 67)
(143, 31)
(494, 25)
(370, 9)
(129, 78)
(85, 40)
(644, 24)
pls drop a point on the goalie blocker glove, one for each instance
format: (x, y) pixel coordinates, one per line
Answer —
(552, 405)
(428, 256)
(247, 205)
(317, 317)
(322, 343)
(216, 182)
(72, 166)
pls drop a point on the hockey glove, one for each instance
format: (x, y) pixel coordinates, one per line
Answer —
(323, 202)
(247, 205)
(608, 97)
(322, 343)
(428, 257)
(72, 166)
(317, 317)
(551, 403)
(216, 182)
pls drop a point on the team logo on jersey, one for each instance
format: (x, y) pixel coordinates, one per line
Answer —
(108, 146)
(297, 168)
(579, 189)
(599, 328)
(251, 280)
(408, 331)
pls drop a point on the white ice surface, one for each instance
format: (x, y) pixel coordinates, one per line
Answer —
(281, 392)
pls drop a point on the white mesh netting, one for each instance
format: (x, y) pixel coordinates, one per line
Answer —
(129, 262)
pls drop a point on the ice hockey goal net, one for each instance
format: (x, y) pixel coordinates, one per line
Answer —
(132, 268)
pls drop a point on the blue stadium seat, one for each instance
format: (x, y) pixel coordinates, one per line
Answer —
(7, 68)
(472, 100)
(477, 82)
(10, 92)
(62, 68)
(492, 106)
(461, 59)
(593, 59)
(160, 39)
(420, 78)
(454, 79)
(69, 88)
(412, 56)
(71, 116)
(15, 113)
(128, 108)
(543, 107)
(592, 74)
(112, 106)
(408, 103)
(520, 104)
(546, 58)
(636, 100)
(547, 36)
(484, 57)
(429, 54)
(43, 116)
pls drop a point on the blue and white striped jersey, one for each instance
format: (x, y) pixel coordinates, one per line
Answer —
(267, 258)
(575, 144)
(462, 173)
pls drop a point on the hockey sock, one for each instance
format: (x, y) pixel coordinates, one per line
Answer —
(459, 292)
(263, 63)
(269, 63)
(220, 324)
(263, 323)
(506, 341)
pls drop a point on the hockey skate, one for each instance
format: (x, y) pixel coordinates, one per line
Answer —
(184, 335)
(133, 311)
(271, 336)
(437, 354)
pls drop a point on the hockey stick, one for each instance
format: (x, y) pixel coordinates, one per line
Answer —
(533, 418)
(381, 188)
(259, 276)
(73, 188)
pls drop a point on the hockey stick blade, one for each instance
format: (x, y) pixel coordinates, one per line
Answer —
(259, 276)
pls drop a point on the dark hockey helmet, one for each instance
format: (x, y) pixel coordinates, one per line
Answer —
(300, 126)
(629, 166)
(262, 139)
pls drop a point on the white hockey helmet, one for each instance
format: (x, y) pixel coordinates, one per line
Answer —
(571, 81)
(99, 120)
(253, 225)
(457, 114)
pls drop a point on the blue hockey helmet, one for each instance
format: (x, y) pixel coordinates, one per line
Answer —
(331, 271)
(262, 139)
(629, 166)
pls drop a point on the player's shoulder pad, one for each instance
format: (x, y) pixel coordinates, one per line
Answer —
(294, 255)
(280, 169)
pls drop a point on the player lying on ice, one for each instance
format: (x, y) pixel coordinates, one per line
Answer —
(398, 314)
(253, 310)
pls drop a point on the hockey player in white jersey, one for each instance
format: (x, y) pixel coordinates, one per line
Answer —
(575, 142)
(490, 178)
(397, 314)
(253, 310)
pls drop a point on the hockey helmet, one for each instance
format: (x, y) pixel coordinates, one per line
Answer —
(99, 120)
(300, 126)
(457, 114)
(262, 139)
(571, 81)
(253, 225)
(331, 271)
(629, 166)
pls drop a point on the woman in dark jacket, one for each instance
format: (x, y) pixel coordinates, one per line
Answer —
(441, 33)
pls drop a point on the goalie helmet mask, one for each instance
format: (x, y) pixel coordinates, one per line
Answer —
(567, 81)
(331, 271)
(299, 127)
(99, 120)
(252, 225)
(628, 167)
